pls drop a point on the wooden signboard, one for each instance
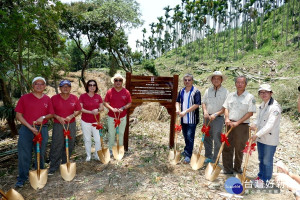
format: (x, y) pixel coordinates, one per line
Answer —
(152, 89)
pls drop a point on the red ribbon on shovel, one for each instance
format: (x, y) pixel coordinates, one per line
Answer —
(178, 127)
(67, 133)
(224, 139)
(98, 126)
(250, 148)
(205, 129)
(117, 122)
(37, 138)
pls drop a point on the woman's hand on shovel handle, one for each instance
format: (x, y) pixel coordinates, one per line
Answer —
(254, 137)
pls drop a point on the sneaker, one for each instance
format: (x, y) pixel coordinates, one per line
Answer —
(19, 184)
(258, 183)
(208, 160)
(110, 152)
(88, 159)
(96, 157)
(186, 160)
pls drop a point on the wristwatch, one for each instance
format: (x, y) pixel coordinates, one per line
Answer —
(215, 114)
(44, 117)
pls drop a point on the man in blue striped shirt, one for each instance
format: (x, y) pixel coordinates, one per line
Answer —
(187, 107)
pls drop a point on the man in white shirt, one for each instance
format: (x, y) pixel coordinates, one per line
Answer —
(239, 107)
(213, 110)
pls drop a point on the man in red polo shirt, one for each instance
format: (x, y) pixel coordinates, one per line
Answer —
(117, 100)
(66, 107)
(34, 108)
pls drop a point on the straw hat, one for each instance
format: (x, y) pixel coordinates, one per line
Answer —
(217, 73)
(117, 76)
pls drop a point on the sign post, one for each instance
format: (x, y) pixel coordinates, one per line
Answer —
(152, 89)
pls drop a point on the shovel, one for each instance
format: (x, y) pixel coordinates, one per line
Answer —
(11, 195)
(38, 178)
(212, 171)
(103, 154)
(197, 160)
(174, 155)
(248, 149)
(67, 170)
(118, 151)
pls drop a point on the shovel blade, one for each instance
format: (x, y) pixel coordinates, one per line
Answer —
(13, 194)
(197, 161)
(118, 153)
(38, 181)
(171, 155)
(68, 173)
(212, 173)
(104, 155)
(176, 158)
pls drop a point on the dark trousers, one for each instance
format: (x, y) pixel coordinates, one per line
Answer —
(58, 146)
(25, 146)
(237, 139)
(188, 131)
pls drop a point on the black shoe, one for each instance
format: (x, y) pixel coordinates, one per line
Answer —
(240, 171)
(50, 173)
(227, 172)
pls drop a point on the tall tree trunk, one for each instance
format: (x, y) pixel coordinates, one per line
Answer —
(287, 23)
(261, 20)
(274, 14)
(7, 101)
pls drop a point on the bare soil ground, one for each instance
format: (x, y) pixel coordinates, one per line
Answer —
(144, 172)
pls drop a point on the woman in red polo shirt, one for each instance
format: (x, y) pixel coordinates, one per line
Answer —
(91, 104)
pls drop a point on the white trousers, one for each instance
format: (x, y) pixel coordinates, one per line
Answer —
(88, 130)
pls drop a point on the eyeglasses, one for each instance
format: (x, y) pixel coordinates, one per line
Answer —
(187, 80)
(92, 85)
(264, 92)
(118, 80)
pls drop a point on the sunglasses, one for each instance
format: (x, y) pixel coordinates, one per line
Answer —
(118, 80)
(187, 80)
(92, 85)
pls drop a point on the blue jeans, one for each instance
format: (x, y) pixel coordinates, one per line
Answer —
(25, 145)
(188, 131)
(265, 157)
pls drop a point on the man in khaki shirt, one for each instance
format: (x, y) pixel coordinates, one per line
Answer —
(239, 107)
(213, 110)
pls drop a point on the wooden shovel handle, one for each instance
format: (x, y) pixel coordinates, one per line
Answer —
(221, 149)
(3, 194)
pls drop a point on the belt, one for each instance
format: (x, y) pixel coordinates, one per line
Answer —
(235, 121)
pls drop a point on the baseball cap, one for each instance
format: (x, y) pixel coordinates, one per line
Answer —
(38, 78)
(64, 82)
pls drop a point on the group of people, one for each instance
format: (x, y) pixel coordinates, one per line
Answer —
(34, 110)
(233, 110)
(219, 107)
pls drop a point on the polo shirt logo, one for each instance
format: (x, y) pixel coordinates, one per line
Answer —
(73, 104)
(124, 97)
(97, 100)
(46, 105)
